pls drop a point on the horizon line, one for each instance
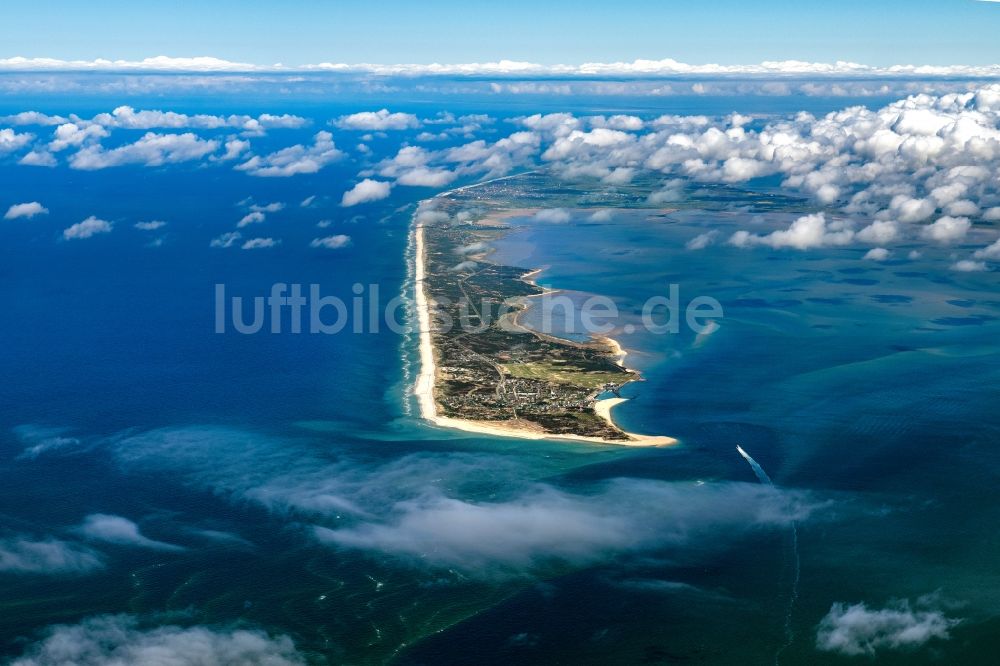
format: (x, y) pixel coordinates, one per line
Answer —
(508, 68)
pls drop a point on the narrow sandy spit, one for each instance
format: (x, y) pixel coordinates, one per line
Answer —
(424, 386)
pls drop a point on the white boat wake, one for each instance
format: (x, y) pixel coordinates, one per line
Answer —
(757, 469)
(793, 594)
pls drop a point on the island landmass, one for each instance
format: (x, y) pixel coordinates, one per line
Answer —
(491, 374)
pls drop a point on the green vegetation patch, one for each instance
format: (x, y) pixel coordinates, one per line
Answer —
(558, 373)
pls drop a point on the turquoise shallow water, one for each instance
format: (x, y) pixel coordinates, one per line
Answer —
(873, 383)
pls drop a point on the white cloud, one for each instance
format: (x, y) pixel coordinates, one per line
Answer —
(72, 134)
(405, 508)
(880, 170)
(409, 167)
(827, 193)
(545, 525)
(284, 121)
(296, 159)
(969, 266)
(877, 254)
(366, 190)
(259, 243)
(150, 226)
(28, 210)
(151, 150)
(879, 232)
(41, 439)
(21, 554)
(619, 176)
(331, 242)
(807, 232)
(701, 241)
(426, 177)
(493, 160)
(741, 169)
(11, 140)
(226, 240)
(423, 137)
(637, 68)
(126, 117)
(426, 214)
(962, 208)
(921, 158)
(857, 630)
(552, 216)
(673, 192)
(555, 124)
(89, 227)
(949, 192)
(272, 207)
(947, 229)
(114, 640)
(472, 248)
(380, 120)
(463, 266)
(156, 63)
(578, 144)
(33, 118)
(991, 251)
(255, 217)
(308, 201)
(119, 530)
(618, 122)
(41, 158)
(234, 149)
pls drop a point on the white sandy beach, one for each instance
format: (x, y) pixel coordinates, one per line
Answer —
(424, 386)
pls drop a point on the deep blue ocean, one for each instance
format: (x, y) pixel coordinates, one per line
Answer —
(869, 391)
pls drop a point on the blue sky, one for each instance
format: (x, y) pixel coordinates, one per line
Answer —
(873, 32)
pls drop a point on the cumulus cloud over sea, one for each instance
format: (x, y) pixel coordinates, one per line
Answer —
(543, 524)
(921, 169)
(110, 640)
(25, 210)
(365, 191)
(49, 555)
(382, 119)
(424, 510)
(858, 630)
(295, 159)
(120, 531)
